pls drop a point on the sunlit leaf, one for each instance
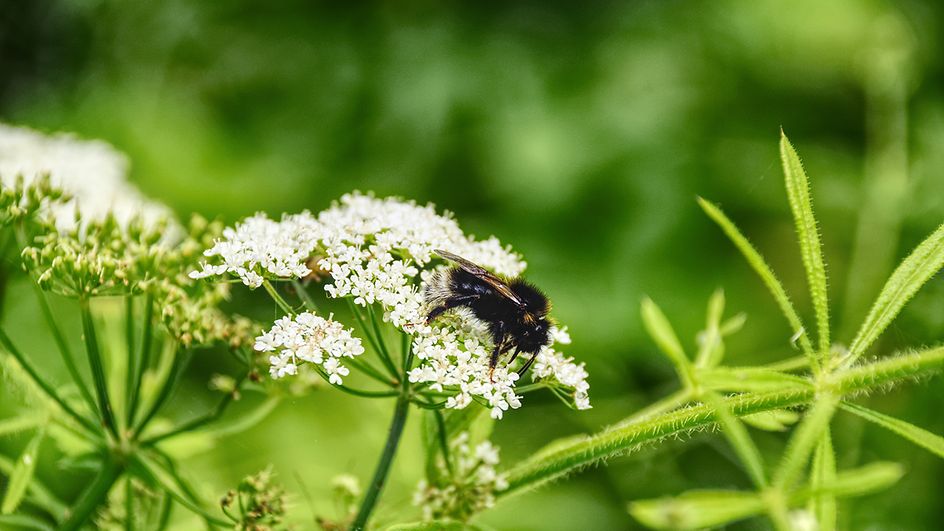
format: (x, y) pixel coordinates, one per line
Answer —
(766, 274)
(711, 345)
(37, 493)
(22, 475)
(697, 509)
(926, 260)
(919, 436)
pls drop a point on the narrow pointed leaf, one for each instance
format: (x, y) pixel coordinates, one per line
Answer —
(434, 525)
(18, 424)
(697, 509)
(860, 481)
(798, 194)
(664, 336)
(711, 345)
(37, 493)
(823, 504)
(926, 260)
(920, 436)
(766, 274)
(22, 475)
(23, 521)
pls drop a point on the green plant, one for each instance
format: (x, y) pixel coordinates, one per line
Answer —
(822, 382)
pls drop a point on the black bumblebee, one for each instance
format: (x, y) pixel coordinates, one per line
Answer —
(515, 311)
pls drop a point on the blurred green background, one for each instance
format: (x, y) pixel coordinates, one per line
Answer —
(581, 134)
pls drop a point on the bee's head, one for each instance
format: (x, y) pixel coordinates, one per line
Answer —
(534, 333)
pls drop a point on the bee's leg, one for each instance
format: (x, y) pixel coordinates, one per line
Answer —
(514, 355)
(447, 305)
(528, 364)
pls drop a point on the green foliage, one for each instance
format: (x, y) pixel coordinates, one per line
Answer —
(22, 474)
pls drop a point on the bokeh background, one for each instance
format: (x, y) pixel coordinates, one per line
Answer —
(581, 134)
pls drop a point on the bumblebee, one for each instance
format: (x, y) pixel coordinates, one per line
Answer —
(514, 311)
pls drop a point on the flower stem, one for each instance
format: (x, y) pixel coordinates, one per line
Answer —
(144, 359)
(98, 370)
(277, 298)
(390, 449)
(95, 496)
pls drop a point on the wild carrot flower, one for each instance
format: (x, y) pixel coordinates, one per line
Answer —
(92, 172)
(378, 253)
(468, 482)
(308, 337)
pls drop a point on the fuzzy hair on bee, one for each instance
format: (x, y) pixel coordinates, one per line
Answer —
(514, 311)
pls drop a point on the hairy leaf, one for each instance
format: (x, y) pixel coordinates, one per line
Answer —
(823, 503)
(926, 260)
(664, 336)
(798, 194)
(766, 274)
(775, 420)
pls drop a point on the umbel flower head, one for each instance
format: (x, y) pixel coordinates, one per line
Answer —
(378, 253)
(466, 485)
(92, 172)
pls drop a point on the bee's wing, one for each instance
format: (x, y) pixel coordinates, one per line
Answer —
(480, 272)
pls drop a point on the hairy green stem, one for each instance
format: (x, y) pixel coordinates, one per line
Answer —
(622, 439)
(95, 495)
(390, 449)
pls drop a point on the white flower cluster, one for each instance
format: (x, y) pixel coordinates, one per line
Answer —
(258, 246)
(471, 486)
(550, 363)
(91, 171)
(380, 251)
(310, 338)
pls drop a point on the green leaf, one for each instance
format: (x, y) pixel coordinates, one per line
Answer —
(22, 475)
(919, 436)
(926, 260)
(18, 424)
(711, 346)
(660, 330)
(766, 274)
(37, 493)
(798, 194)
(774, 420)
(860, 481)
(748, 379)
(697, 509)
(823, 504)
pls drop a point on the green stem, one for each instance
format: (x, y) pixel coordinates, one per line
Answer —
(281, 302)
(43, 385)
(304, 296)
(374, 342)
(147, 340)
(173, 377)
(390, 449)
(64, 350)
(95, 362)
(131, 367)
(95, 496)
